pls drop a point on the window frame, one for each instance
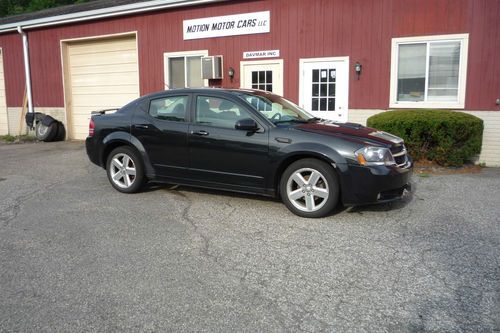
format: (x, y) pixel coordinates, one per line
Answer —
(462, 71)
(185, 54)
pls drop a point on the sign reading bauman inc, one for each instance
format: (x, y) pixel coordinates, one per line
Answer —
(229, 25)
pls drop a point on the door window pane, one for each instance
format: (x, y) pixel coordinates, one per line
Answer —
(444, 61)
(171, 108)
(411, 72)
(262, 80)
(218, 112)
(323, 86)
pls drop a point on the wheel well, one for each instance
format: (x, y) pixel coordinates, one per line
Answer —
(291, 159)
(109, 148)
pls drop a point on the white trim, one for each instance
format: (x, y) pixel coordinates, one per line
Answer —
(264, 62)
(88, 15)
(167, 55)
(462, 72)
(303, 61)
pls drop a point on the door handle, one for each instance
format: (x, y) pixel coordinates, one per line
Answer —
(141, 126)
(201, 133)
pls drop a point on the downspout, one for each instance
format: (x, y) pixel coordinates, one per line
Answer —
(27, 71)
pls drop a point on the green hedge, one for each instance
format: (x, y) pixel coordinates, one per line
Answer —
(448, 138)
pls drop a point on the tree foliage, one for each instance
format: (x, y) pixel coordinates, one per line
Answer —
(14, 7)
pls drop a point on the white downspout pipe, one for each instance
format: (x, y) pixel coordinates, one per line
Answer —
(27, 71)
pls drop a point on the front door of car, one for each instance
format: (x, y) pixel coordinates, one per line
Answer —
(221, 154)
(161, 126)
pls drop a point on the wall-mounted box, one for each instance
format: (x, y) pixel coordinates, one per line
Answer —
(211, 67)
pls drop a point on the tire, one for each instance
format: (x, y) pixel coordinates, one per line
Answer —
(308, 197)
(46, 133)
(61, 132)
(125, 181)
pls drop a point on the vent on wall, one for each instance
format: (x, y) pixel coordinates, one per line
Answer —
(211, 67)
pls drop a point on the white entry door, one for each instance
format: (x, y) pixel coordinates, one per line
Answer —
(263, 75)
(324, 87)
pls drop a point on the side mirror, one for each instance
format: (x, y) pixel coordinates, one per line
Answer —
(247, 124)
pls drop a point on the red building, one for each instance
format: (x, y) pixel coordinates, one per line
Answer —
(340, 59)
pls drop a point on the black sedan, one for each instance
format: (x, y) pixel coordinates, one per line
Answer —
(247, 141)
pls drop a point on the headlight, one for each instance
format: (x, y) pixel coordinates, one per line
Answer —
(374, 156)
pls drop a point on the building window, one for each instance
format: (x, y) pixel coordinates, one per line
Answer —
(183, 69)
(429, 71)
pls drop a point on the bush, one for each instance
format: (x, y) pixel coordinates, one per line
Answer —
(448, 138)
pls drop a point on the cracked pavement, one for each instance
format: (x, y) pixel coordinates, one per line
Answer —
(76, 255)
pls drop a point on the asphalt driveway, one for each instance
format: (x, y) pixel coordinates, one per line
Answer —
(76, 255)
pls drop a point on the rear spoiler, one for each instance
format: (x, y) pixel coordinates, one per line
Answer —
(102, 111)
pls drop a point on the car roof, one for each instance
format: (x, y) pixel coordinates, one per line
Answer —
(208, 91)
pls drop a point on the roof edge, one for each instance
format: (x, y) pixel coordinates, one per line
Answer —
(94, 14)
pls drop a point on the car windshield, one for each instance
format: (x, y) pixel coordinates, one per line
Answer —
(276, 108)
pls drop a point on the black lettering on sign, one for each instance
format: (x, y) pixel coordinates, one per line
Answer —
(198, 27)
(223, 25)
(247, 23)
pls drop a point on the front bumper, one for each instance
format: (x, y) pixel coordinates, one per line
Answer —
(375, 184)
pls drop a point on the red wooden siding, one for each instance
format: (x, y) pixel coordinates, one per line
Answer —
(360, 29)
(12, 50)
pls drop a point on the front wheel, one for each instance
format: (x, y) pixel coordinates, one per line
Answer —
(309, 188)
(125, 170)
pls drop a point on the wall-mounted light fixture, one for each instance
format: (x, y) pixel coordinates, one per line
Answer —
(231, 73)
(357, 69)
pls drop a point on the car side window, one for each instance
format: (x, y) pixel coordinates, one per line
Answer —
(171, 108)
(220, 112)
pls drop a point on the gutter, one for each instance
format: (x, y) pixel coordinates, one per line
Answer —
(134, 8)
(27, 71)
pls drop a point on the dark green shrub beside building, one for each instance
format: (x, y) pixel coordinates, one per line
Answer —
(448, 138)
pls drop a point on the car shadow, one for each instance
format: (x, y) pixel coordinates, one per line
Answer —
(180, 190)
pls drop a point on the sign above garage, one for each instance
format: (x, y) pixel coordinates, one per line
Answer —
(228, 25)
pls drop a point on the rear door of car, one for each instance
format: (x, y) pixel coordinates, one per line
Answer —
(161, 125)
(221, 154)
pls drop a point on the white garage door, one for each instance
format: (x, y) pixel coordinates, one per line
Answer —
(4, 123)
(102, 74)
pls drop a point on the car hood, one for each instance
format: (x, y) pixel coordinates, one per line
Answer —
(351, 132)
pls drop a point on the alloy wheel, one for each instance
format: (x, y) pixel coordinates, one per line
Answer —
(123, 171)
(307, 190)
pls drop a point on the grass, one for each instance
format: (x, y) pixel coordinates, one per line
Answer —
(424, 175)
(17, 138)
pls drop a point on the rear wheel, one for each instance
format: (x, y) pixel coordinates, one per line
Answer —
(309, 188)
(125, 170)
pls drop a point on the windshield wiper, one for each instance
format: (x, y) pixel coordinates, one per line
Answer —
(302, 121)
(314, 119)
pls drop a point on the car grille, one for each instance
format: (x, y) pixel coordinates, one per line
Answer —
(400, 155)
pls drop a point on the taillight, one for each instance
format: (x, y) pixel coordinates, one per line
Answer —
(91, 127)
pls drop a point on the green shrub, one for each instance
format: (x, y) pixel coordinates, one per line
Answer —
(448, 138)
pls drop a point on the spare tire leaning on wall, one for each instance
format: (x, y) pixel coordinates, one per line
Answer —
(49, 129)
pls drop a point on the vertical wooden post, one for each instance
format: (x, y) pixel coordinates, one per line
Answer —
(23, 111)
